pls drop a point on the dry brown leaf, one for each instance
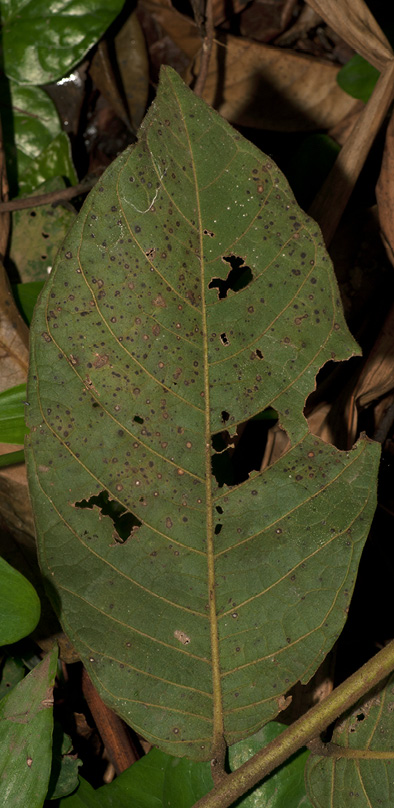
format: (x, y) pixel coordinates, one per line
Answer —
(224, 10)
(15, 508)
(353, 21)
(329, 204)
(133, 66)
(385, 191)
(14, 338)
(264, 20)
(256, 85)
(172, 38)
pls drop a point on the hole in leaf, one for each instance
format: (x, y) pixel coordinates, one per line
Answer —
(259, 354)
(124, 521)
(219, 509)
(218, 529)
(224, 339)
(138, 419)
(208, 233)
(238, 277)
(232, 465)
(225, 416)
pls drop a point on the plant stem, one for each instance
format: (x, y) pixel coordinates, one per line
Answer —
(206, 48)
(303, 730)
(51, 198)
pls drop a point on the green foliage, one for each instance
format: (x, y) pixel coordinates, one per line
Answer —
(64, 778)
(12, 420)
(36, 52)
(26, 737)
(12, 671)
(141, 352)
(36, 148)
(357, 766)
(358, 78)
(26, 295)
(35, 238)
(19, 605)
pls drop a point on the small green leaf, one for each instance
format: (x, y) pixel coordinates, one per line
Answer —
(43, 40)
(12, 458)
(285, 788)
(36, 235)
(64, 772)
(36, 148)
(26, 737)
(26, 296)
(357, 766)
(19, 605)
(12, 414)
(12, 672)
(358, 78)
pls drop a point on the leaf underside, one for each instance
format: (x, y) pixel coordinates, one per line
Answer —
(359, 762)
(222, 597)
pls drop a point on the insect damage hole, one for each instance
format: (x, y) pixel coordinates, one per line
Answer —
(182, 637)
(238, 277)
(224, 339)
(123, 520)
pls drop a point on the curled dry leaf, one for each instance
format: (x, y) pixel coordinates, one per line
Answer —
(385, 191)
(252, 84)
(357, 26)
(13, 338)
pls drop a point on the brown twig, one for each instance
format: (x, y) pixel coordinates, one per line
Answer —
(53, 197)
(121, 749)
(206, 49)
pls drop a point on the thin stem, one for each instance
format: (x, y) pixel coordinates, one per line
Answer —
(62, 195)
(206, 49)
(302, 731)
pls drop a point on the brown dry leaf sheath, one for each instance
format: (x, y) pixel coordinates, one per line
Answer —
(353, 21)
(385, 191)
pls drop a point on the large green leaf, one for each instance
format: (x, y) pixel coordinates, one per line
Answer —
(222, 597)
(26, 737)
(44, 39)
(357, 767)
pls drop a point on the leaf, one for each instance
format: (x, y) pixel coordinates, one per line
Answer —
(36, 148)
(155, 781)
(13, 671)
(36, 235)
(42, 42)
(285, 788)
(222, 597)
(358, 78)
(19, 605)
(64, 778)
(11, 458)
(25, 737)
(26, 296)
(273, 88)
(158, 780)
(356, 767)
(12, 420)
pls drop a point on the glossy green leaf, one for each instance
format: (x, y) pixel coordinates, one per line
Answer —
(12, 416)
(357, 767)
(222, 597)
(26, 737)
(285, 788)
(358, 78)
(36, 148)
(19, 605)
(44, 39)
(12, 671)
(36, 235)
